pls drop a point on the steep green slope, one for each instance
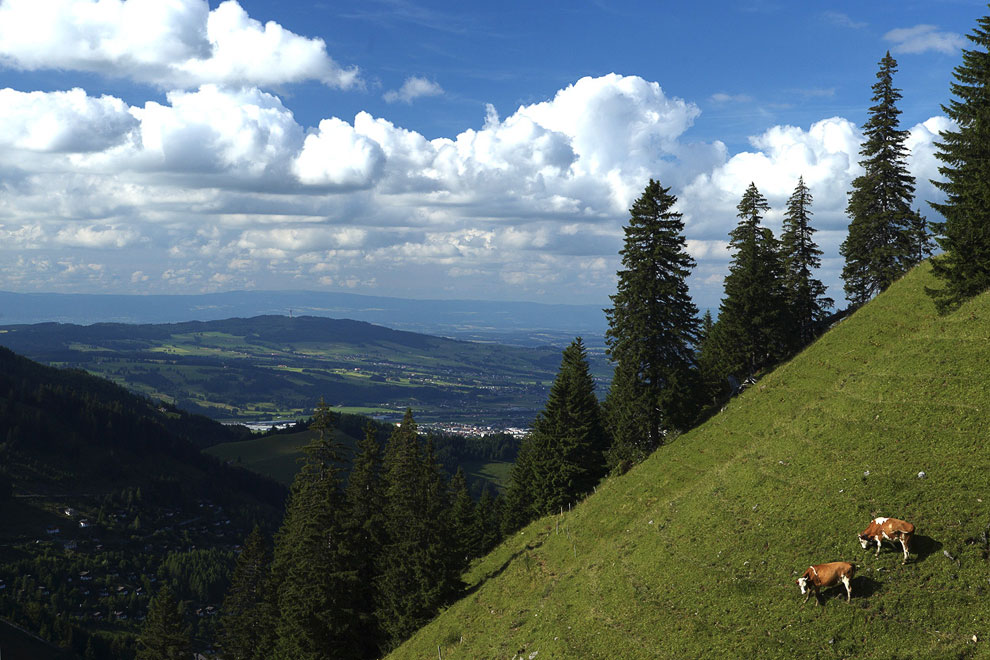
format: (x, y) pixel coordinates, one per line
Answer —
(694, 553)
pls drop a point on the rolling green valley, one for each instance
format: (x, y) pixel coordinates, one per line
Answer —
(269, 368)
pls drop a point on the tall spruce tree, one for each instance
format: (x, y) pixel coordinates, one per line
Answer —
(883, 230)
(653, 326)
(314, 564)
(752, 326)
(806, 300)
(709, 358)
(442, 563)
(520, 500)
(165, 635)
(462, 517)
(366, 527)
(486, 530)
(567, 447)
(418, 569)
(248, 615)
(964, 151)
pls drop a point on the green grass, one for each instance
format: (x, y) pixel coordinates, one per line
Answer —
(276, 456)
(694, 553)
(496, 472)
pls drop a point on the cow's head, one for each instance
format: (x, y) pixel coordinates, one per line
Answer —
(864, 540)
(802, 582)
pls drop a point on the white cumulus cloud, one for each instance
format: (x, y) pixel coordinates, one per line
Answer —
(172, 44)
(96, 236)
(69, 121)
(337, 155)
(221, 187)
(413, 88)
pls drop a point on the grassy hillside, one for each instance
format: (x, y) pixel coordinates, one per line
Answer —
(695, 552)
(276, 456)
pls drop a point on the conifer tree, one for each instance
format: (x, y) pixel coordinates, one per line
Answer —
(442, 562)
(314, 558)
(708, 356)
(653, 326)
(366, 527)
(165, 634)
(806, 300)
(399, 607)
(752, 324)
(921, 239)
(486, 524)
(568, 440)
(248, 617)
(964, 269)
(883, 230)
(418, 571)
(520, 501)
(462, 516)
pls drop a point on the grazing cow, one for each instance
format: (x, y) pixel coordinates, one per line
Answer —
(822, 576)
(888, 529)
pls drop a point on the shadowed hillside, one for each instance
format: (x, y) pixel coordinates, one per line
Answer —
(694, 553)
(104, 495)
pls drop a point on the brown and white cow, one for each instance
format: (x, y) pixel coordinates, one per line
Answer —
(822, 576)
(888, 529)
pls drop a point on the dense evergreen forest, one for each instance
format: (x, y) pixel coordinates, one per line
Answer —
(106, 496)
(108, 499)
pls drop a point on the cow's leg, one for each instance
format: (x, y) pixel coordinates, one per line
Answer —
(904, 546)
(848, 585)
(879, 541)
(818, 597)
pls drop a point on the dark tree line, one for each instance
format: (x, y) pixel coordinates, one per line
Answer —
(670, 365)
(964, 268)
(359, 563)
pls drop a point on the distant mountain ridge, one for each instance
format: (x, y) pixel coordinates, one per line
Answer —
(526, 323)
(251, 368)
(53, 336)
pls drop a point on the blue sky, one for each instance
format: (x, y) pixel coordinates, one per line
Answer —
(432, 150)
